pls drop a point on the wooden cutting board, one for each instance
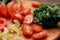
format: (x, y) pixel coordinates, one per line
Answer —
(53, 32)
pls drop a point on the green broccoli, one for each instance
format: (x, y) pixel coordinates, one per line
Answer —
(47, 16)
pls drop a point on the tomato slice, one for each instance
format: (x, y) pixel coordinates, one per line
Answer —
(36, 4)
(17, 7)
(3, 8)
(28, 19)
(27, 30)
(25, 12)
(3, 23)
(9, 7)
(40, 35)
(17, 16)
(36, 28)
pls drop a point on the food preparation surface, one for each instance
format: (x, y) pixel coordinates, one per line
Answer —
(53, 32)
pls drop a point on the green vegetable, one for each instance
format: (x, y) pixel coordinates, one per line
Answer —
(47, 16)
(7, 1)
(1, 1)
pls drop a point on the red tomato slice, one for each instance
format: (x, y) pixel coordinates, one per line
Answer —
(3, 23)
(0, 11)
(40, 35)
(36, 4)
(3, 8)
(28, 19)
(25, 12)
(9, 7)
(27, 30)
(36, 28)
(17, 16)
(17, 7)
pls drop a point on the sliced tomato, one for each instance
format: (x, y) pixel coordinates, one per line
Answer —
(28, 19)
(0, 11)
(25, 12)
(27, 30)
(36, 28)
(17, 7)
(17, 16)
(36, 4)
(9, 7)
(40, 35)
(3, 23)
(3, 8)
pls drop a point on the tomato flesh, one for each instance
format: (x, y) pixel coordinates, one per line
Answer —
(36, 28)
(27, 30)
(40, 35)
(25, 12)
(28, 19)
(36, 4)
(3, 23)
(17, 16)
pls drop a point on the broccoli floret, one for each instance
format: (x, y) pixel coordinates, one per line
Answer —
(47, 16)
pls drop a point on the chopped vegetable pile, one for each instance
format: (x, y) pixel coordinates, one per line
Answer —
(18, 22)
(47, 16)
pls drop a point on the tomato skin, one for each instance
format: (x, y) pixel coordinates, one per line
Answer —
(9, 7)
(17, 16)
(3, 8)
(28, 19)
(40, 35)
(0, 11)
(25, 12)
(36, 28)
(36, 4)
(3, 23)
(27, 30)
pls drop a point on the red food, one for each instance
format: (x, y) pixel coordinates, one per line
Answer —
(17, 7)
(27, 30)
(28, 19)
(17, 16)
(25, 12)
(9, 7)
(3, 8)
(3, 23)
(36, 4)
(40, 35)
(0, 11)
(36, 28)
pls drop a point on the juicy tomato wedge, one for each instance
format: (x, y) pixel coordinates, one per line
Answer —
(36, 4)
(3, 8)
(27, 30)
(9, 7)
(25, 12)
(3, 23)
(28, 19)
(0, 11)
(40, 35)
(17, 7)
(17, 16)
(36, 28)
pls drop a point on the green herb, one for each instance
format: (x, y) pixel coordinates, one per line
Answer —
(47, 16)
